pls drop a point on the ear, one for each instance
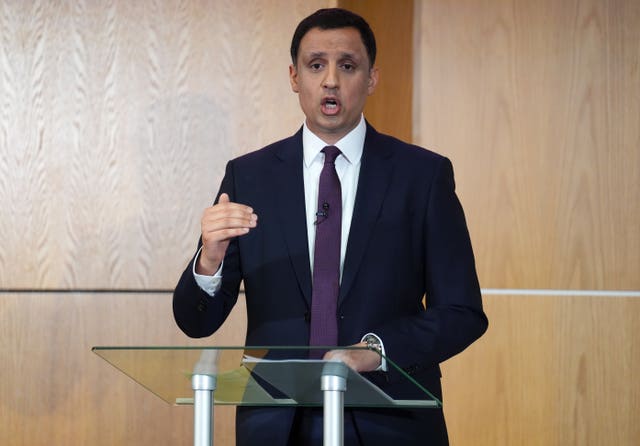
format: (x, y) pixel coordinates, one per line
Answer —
(293, 78)
(373, 80)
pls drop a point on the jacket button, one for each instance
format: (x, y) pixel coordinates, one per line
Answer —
(202, 306)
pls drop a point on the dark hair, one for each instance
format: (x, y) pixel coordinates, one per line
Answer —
(333, 18)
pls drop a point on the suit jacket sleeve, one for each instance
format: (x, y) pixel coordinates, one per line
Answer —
(453, 317)
(196, 313)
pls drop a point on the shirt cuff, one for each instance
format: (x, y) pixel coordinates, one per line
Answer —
(383, 362)
(208, 284)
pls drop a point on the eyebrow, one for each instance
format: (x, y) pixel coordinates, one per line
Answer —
(317, 54)
(322, 54)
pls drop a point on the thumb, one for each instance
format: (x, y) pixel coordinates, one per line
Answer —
(224, 198)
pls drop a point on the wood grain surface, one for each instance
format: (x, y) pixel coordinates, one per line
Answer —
(537, 104)
(390, 108)
(55, 391)
(551, 370)
(116, 121)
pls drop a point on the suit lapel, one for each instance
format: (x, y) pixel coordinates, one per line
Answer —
(375, 173)
(290, 205)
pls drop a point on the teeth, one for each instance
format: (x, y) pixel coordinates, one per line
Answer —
(330, 103)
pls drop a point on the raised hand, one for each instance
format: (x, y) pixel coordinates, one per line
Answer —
(220, 223)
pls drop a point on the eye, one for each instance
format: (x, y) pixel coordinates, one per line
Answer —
(315, 66)
(348, 66)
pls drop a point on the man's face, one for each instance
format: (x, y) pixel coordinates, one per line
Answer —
(333, 78)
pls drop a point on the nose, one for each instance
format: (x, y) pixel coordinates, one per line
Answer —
(331, 77)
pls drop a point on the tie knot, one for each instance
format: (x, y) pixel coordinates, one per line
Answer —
(330, 154)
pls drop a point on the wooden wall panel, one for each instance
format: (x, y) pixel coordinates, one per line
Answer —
(537, 105)
(551, 370)
(390, 108)
(55, 391)
(116, 121)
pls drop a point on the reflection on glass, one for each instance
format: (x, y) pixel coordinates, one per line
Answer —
(255, 376)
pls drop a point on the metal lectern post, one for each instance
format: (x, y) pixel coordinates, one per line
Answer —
(334, 384)
(203, 387)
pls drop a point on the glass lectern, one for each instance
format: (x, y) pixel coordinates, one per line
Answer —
(256, 376)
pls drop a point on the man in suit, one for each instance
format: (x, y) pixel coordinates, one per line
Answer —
(403, 238)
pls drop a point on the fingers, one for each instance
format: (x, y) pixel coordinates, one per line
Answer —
(342, 355)
(220, 223)
(359, 360)
(226, 220)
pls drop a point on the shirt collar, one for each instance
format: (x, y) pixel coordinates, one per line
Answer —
(351, 145)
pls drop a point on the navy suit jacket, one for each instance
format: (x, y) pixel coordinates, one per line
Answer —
(408, 239)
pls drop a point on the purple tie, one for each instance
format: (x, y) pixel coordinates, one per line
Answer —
(326, 258)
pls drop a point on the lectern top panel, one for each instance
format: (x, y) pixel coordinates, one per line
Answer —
(252, 376)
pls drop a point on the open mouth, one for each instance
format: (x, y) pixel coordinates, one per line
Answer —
(330, 106)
